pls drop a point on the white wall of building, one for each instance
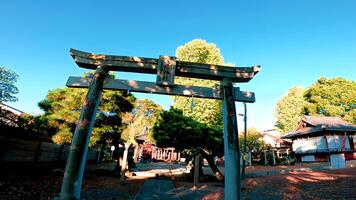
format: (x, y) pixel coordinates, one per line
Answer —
(335, 141)
(308, 144)
(319, 143)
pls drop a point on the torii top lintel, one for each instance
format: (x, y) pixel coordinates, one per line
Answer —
(149, 66)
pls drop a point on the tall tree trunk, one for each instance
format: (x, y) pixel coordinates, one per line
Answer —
(212, 165)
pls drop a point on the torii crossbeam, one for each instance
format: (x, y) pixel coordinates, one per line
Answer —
(166, 68)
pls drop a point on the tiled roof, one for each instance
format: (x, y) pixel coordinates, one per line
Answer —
(329, 121)
(273, 133)
(142, 137)
(11, 109)
(318, 124)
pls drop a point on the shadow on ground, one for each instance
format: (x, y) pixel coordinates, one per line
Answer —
(329, 184)
(103, 184)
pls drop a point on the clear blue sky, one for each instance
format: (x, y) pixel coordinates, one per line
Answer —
(296, 42)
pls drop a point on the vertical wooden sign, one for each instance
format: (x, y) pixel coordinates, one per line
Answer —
(166, 70)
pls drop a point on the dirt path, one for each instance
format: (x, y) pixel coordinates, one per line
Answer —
(328, 184)
(46, 185)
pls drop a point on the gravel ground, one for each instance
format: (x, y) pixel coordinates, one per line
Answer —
(29, 185)
(46, 185)
(329, 184)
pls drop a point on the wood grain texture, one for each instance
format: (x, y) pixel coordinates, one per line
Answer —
(149, 87)
(166, 70)
(149, 65)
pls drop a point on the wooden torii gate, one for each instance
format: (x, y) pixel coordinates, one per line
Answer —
(166, 68)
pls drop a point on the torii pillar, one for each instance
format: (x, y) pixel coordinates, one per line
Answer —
(231, 144)
(73, 174)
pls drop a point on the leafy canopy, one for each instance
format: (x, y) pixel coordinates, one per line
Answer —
(62, 108)
(204, 110)
(141, 121)
(289, 110)
(253, 140)
(8, 78)
(173, 129)
(334, 97)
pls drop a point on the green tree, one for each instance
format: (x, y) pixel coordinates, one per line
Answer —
(8, 78)
(173, 129)
(189, 136)
(289, 110)
(334, 97)
(253, 140)
(204, 110)
(141, 120)
(62, 108)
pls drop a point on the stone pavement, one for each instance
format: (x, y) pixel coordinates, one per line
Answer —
(151, 170)
(285, 171)
(157, 189)
(206, 191)
(260, 170)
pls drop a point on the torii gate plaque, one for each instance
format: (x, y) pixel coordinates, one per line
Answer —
(166, 68)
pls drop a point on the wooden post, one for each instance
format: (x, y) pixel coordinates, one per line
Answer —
(196, 170)
(244, 148)
(73, 175)
(265, 157)
(123, 165)
(250, 158)
(136, 151)
(274, 158)
(288, 159)
(141, 152)
(154, 153)
(111, 155)
(231, 144)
